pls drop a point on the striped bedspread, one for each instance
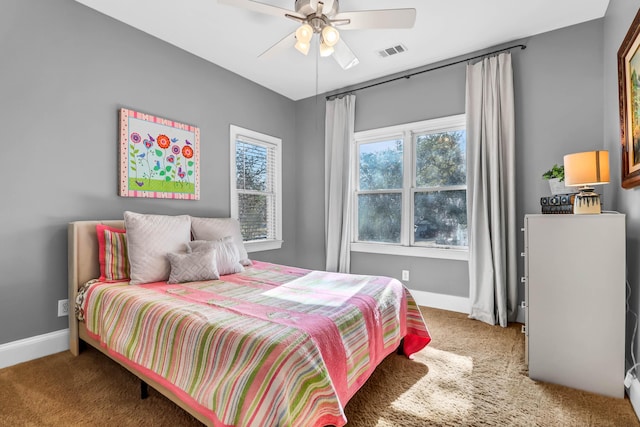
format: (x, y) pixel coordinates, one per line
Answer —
(272, 346)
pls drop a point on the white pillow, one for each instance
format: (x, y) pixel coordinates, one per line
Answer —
(227, 258)
(193, 267)
(219, 228)
(149, 239)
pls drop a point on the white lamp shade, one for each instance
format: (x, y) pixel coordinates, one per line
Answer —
(304, 33)
(586, 168)
(330, 36)
(303, 47)
(325, 50)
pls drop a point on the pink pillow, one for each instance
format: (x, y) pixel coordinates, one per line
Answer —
(112, 253)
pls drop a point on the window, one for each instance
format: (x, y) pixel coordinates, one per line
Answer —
(410, 196)
(256, 196)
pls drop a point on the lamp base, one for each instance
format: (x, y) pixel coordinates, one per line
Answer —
(587, 202)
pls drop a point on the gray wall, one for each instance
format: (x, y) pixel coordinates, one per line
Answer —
(66, 70)
(558, 81)
(617, 21)
(309, 192)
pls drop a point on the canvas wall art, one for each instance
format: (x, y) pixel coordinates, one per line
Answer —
(629, 102)
(159, 158)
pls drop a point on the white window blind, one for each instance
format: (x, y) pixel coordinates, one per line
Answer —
(256, 185)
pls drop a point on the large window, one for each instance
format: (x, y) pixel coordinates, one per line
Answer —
(411, 189)
(256, 188)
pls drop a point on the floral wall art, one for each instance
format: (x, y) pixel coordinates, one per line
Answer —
(159, 158)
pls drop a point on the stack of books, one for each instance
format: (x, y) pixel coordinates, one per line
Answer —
(557, 204)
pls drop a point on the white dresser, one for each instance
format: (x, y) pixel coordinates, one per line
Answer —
(575, 300)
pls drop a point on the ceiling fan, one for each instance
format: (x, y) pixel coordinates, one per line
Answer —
(324, 18)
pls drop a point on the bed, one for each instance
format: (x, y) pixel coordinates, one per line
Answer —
(270, 345)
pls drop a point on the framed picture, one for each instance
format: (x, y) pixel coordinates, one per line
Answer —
(629, 102)
(159, 158)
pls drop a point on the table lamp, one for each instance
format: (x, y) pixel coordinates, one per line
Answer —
(585, 170)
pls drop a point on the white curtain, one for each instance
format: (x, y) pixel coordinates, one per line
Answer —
(491, 190)
(339, 124)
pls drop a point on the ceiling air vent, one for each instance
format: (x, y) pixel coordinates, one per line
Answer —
(392, 50)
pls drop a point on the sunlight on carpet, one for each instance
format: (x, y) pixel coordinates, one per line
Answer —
(445, 386)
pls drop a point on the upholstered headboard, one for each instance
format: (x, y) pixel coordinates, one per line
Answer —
(83, 265)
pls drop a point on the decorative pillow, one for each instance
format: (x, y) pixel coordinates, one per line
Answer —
(112, 253)
(192, 267)
(218, 228)
(149, 239)
(227, 258)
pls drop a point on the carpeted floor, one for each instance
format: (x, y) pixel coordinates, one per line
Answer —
(472, 374)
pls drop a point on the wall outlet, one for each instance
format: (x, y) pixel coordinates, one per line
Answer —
(63, 307)
(405, 275)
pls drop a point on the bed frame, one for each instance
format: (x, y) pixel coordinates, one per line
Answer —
(84, 266)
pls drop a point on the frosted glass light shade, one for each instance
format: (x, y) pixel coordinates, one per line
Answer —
(303, 47)
(586, 168)
(325, 50)
(304, 33)
(330, 35)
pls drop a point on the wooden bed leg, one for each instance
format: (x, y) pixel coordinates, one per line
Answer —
(144, 390)
(400, 350)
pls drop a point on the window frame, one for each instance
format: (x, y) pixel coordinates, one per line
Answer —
(269, 142)
(408, 132)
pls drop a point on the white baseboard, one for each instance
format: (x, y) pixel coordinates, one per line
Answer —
(33, 348)
(442, 301)
(634, 390)
(634, 396)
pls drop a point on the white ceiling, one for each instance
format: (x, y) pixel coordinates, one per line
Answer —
(234, 38)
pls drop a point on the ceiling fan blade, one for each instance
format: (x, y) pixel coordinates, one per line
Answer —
(370, 19)
(327, 6)
(255, 6)
(344, 56)
(286, 43)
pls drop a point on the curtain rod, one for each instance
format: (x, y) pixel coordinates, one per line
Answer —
(521, 46)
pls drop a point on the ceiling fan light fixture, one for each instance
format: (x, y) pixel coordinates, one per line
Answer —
(325, 49)
(330, 36)
(304, 34)
(322, 17)
(303, 47)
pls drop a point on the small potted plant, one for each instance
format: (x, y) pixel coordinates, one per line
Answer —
(555, 176)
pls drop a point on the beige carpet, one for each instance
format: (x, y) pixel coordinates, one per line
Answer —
(471, 374)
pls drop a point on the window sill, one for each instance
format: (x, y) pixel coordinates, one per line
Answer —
(266, 245)
(413, 251)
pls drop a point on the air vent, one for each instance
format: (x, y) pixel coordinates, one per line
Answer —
(392, 50)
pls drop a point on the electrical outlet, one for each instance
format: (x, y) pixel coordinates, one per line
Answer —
(63, 307)
(405, 275)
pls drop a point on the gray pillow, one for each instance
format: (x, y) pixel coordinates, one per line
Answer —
(219, 228)
(149, 239)
(193, 267)
(227, 257)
